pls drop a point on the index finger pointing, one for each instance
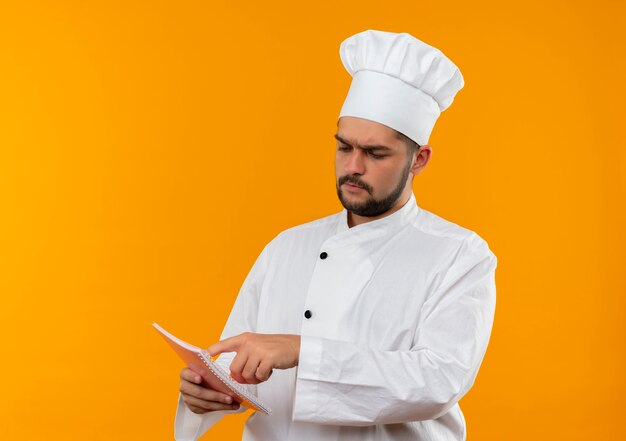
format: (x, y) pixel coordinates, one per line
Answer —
(230, 344)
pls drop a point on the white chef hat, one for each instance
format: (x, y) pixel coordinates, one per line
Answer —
(398, 81)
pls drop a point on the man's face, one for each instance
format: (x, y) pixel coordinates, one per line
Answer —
(372, 166)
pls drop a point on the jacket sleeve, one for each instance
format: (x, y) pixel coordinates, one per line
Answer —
(189, 426)
(340, 383)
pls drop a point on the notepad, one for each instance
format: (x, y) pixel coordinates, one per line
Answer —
(214, 377)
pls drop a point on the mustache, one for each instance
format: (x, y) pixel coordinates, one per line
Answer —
(353, 179)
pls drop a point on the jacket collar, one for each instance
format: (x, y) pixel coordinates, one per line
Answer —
(378, 227)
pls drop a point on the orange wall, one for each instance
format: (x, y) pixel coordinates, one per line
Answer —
(148, 151)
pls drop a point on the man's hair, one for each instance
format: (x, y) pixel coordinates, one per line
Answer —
(411, 145)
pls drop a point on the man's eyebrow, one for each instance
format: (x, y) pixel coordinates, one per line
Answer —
(364, 147)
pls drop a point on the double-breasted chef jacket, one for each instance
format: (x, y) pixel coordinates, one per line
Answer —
(394, 316)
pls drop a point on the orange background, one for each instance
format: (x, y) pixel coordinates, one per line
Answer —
(149, 150)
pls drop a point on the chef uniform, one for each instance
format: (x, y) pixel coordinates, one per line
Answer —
(394, 314)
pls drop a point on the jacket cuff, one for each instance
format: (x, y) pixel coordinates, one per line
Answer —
(190, 426)
(307, 378)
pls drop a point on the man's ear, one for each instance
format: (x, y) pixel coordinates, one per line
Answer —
(421, 159)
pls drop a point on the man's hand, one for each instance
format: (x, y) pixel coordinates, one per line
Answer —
(258, 354)
(200, 399)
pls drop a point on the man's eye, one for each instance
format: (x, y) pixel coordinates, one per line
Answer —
(375, 156)
(343, 148)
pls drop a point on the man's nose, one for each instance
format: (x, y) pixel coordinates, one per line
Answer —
(355, 163)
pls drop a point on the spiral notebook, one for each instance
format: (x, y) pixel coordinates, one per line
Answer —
(213, 375)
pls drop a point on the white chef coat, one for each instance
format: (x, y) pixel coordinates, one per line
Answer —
(401, 313)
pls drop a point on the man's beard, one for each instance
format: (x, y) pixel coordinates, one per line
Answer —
(371, 207)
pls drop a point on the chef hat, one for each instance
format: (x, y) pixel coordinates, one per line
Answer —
(398, 81)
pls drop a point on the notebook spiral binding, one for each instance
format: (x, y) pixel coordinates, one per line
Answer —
(239, 389)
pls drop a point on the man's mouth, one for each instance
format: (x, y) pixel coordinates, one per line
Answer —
(354, 187)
